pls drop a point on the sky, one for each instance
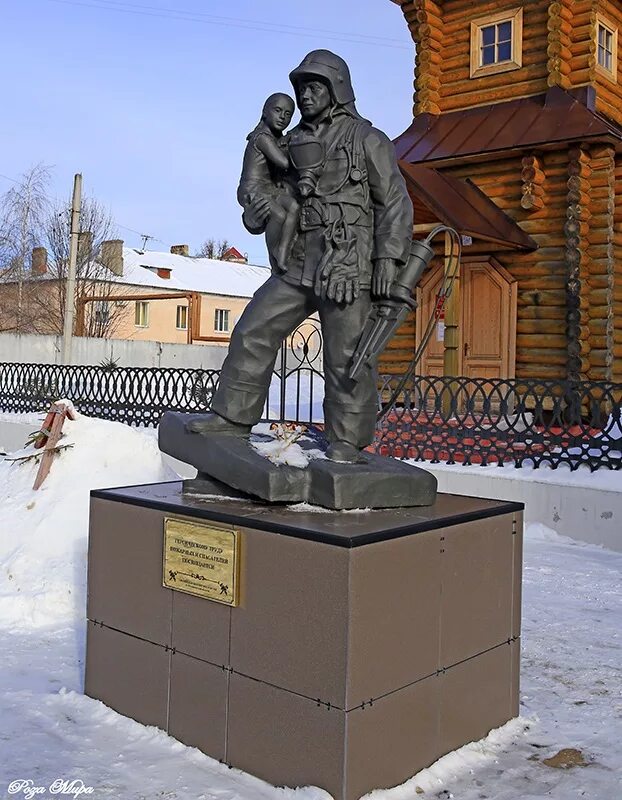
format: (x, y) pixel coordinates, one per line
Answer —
(151, 100)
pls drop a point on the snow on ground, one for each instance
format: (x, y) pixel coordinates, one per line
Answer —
(283, 444)
(571, 671)
(607, 479)
(304, 397)
(43, 533)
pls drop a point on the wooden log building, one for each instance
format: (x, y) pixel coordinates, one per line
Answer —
(517, 142)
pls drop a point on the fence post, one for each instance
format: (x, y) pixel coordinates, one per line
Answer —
(283, 379)
(572, 412)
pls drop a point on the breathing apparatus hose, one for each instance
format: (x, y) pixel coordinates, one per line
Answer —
(449, 276)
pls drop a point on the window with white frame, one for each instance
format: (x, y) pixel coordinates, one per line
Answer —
(141, 314)
(181, 318)
(221, 320)
(606, 48)
(497, 43)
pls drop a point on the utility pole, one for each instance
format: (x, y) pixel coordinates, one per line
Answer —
(71, 273)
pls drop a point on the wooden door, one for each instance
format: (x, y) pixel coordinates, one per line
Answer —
(427, 292)
(487, 321)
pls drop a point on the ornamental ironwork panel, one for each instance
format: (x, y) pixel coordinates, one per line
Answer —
(134, 395)
(297, 389)
(493, 421)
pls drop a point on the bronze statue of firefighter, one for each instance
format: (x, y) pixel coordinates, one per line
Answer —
(338, 222)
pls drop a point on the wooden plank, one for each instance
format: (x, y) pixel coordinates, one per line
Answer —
(462, 99)
(539, 326)
(59, 412)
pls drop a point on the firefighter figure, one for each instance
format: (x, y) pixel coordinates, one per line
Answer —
(354, 233)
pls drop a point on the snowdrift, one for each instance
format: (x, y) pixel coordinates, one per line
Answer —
(44, 533)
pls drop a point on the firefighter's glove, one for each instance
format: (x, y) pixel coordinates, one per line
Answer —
(385, 270)
(342, 284)
(338, 272)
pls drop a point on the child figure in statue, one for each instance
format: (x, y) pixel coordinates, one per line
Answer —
(263, 171)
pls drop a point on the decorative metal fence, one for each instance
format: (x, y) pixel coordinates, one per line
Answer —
(490, 421)
(141, 395)
(135, 395)
(454, 420)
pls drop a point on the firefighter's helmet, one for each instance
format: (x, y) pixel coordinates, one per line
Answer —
(329, 67)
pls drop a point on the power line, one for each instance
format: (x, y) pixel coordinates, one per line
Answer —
(138, 233)
(56, 200)
(187, 16)
(48, 197)
(144, 236)
(6, 177)
(278, 26)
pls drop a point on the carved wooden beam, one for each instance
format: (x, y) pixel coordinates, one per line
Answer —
(424, 18)
(532, 176)
(601, 277)
(576, 260)
(559, 43)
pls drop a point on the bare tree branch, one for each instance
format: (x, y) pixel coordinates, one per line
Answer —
(23, 210)
(213, 249)
(36, 304)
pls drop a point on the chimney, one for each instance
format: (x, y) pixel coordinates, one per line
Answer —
(180, 250)
(85, 246)
(39, 264)
(111, 256)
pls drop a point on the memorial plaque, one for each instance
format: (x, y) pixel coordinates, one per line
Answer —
(201, 559)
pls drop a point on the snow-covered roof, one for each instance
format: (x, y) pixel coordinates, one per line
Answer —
(189, 274)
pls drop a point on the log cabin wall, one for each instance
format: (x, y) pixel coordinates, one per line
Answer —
(572, 42)
(395, 359)
(442, 34)
(576, 230)
(600, 263)
(424, 18)
(541, 340)
(560, 43)
(617, 276)
(568, 199)
(584, 54)
(569, 316)
(458, 89)
(572, 50)
(569, 290)
(559, 48)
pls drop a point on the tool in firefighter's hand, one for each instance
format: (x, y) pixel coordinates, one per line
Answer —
(388, 315)
(451, 273)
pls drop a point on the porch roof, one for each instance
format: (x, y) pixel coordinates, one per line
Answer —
(543, 120)
(463, 206)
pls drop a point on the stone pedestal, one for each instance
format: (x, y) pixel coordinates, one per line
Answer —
(376, 482)
(366, 644)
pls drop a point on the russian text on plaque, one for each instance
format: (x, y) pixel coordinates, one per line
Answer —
(201, 560)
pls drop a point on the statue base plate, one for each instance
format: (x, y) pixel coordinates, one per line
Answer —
(379, 482)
